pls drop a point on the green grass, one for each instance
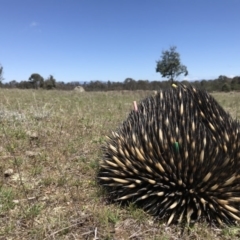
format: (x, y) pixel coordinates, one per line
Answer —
(52, 141)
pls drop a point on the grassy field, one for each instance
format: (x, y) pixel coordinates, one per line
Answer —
(50, 143)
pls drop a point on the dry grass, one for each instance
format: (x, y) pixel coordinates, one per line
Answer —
(50, 143)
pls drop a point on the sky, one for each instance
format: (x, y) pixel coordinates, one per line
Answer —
(88, 40)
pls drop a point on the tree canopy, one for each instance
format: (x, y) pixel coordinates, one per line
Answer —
(1, 73)
(50, 83)
(37, 80)
(170, 64)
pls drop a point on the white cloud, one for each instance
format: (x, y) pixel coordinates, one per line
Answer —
(33, 24)
(231, 75)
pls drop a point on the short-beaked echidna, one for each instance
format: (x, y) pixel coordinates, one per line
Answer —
(177, 157)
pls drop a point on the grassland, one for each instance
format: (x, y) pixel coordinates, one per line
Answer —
(50, 143)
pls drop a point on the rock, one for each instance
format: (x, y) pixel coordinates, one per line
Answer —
(31, 153)
(8, 172)
(79, 89)
(32, 135)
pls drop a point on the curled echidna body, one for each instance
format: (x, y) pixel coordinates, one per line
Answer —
(177, 157)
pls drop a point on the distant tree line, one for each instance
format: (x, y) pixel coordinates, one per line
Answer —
(169, 65)
(35, 81)
(1, 74)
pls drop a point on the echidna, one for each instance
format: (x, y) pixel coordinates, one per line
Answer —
(177, 157)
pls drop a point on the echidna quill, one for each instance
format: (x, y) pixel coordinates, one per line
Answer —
(177, 157)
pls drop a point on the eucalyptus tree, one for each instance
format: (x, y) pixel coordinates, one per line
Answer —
(170, 64)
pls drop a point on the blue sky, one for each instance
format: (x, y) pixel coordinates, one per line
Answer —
(84, 40)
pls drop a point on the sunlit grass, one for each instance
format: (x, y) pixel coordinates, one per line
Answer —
(51, 140)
